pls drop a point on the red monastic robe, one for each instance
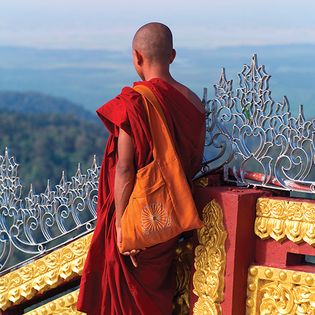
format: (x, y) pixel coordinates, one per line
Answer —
(110, 285)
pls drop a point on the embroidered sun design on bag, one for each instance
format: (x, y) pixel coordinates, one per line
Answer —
(154, 218)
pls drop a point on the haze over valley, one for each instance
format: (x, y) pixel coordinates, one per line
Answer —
(92, 77)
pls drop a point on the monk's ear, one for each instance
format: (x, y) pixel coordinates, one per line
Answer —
(173, 55)
(139, 57)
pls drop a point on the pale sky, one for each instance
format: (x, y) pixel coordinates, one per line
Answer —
(195, 23)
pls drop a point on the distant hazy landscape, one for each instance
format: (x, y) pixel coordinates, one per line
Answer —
(91, 77)
(48, 97)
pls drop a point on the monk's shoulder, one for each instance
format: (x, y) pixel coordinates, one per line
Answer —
(131, 98)
(125, 99)
(191, 96)
(128, 92)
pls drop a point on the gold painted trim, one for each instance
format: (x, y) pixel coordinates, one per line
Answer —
(183, 262)
(44, 274)
(280, 291)
(281, 219)
(64, 305)
(202, 182)
(210, 260)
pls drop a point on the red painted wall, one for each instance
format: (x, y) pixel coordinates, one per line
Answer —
(239, 208)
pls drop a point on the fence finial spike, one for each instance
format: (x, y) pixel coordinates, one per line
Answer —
(301, 118)
(62, 179)
(254, 59)
(47, 190)
(31, 191)
(6, 155)
(222, 76)
(78, 172)
(94, 163)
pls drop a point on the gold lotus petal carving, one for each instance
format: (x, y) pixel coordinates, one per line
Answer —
(285, 219)
(272, 291)
(206, 307)
(210, 259)
(44, 273)
(65, 305)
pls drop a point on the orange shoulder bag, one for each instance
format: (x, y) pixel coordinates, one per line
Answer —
(161, 205)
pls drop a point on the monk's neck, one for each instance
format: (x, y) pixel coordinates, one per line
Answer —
(160, 73)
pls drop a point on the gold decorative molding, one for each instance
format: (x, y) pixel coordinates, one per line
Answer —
(65, 305)
(202, 182)
(279, 291)
(44, 273)
(183, 262)
(280, 219)
(210, 260)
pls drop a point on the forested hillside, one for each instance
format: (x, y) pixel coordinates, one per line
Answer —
(44, 143)
(33, 102)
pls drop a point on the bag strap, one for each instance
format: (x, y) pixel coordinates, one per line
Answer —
(149, 95)
(163, 146)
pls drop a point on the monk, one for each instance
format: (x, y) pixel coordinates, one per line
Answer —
(139, 282)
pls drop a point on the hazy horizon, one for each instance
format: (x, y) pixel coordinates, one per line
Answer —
(92, 77)
(81, 50)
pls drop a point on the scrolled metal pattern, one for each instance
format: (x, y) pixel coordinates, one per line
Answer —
(38, 224)
(255, 139)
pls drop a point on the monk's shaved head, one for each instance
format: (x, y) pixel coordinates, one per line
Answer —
(154, 41)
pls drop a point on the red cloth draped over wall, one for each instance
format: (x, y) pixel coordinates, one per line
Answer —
(110, 285)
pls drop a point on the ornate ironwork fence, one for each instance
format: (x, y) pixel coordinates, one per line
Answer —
(38, 224)
(253, 138)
